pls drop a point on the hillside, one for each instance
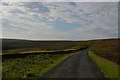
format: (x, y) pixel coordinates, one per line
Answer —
(21, 46)
(36, 65)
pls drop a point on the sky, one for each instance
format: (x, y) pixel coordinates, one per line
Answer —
(60, 0)
(60, 20)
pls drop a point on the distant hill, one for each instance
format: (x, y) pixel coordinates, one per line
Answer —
(4, 39)
(7, 39)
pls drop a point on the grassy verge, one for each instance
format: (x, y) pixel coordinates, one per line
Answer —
(32, 66)
(109, 68)
(58, 61)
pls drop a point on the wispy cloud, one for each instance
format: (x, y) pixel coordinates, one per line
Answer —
(77, 20)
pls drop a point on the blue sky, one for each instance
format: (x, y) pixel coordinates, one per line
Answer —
(60, 20)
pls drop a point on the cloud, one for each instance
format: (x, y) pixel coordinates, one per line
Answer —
(61, 0)
(88, 20)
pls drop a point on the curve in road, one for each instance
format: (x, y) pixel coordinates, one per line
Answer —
(76, 66)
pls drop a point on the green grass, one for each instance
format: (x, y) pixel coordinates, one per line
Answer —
(56, 63)
(109, 68)
(33, 66)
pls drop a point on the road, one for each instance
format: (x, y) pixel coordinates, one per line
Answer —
(76, 66)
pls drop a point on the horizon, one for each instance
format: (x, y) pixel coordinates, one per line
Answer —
(58, 39)
(60, 21)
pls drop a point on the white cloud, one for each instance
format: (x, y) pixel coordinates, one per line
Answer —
(61, 0)
(38, 17)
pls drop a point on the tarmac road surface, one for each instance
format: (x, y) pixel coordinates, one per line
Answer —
(76, 66)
